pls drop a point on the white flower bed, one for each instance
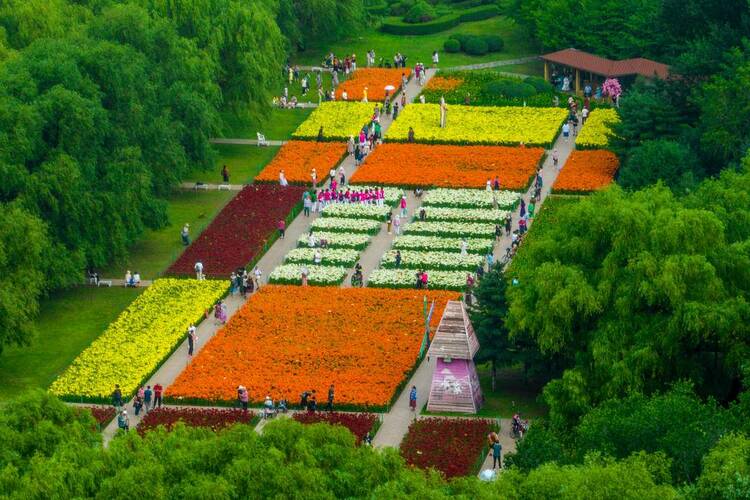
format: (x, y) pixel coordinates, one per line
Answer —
(407, 278)
(437, 243)
(466, 214)
(470, 198)
(358, 241)
(291, 274)
(357, 211)
(446, 261)
(459, 229)
(345, 225)
(329, 256)
(391, 195)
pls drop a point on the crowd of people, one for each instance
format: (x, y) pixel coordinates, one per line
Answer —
(145, 400)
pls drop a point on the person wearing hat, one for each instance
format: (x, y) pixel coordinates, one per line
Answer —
(186, 234)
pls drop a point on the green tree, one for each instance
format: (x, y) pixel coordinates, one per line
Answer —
(726, 470)
(660, 160)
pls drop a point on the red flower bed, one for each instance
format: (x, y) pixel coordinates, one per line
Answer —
(358, 423)
(102, 414)
(194, 417)
(240, 230)
(450, 445)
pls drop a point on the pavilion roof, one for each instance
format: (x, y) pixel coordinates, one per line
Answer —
(455, 337)
(606, 67)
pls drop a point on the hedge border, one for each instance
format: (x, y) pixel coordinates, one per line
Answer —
(442, 23)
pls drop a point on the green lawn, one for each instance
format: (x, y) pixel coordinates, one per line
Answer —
(419, 48)
(67, 324)
(279, 124)
(243, 162)
(158, 249)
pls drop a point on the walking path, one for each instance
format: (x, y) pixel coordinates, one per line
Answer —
(507, 442)
(396, 422)
(246, 142)
(118, 282)
(493, 64)
(195, 186)
(176, 363)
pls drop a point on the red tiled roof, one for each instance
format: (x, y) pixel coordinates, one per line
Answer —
(606, 67)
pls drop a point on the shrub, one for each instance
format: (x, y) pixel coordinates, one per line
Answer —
(494, 43)
(476, 46)
(480, 13)
(509, 88)
(435, 26)
(420, 12)
(452, 45)
(461, 38)
(540, 84)
(400, 8)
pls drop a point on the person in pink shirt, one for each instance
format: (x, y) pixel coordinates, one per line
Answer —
(282, 228)
(403, 206)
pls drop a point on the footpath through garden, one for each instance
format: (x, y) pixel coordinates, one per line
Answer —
(396, 422)
(176, 363)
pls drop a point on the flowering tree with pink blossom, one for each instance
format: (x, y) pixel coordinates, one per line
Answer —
(612, 88)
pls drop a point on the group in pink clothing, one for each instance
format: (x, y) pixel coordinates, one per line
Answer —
(372, 196)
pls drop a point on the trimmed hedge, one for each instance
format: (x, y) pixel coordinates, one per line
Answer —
(379, 9)
(452, 46)
(420, 12)
(476, 46)
(442, 23)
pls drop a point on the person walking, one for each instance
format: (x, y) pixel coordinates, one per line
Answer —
(555, 158)
(117, 396)
(497, 450)
(147, 394)
(282, 228)
(403, 206)
(185, 234)
(123, 422)
(282, 179)
(413, 399)
(398, 259)
(191, 339)
(307, 204)
(243, 397)
(397, 225)
(225, 174)
(331, 393)
(314, 177)
(389, 222)
(158, 389)
(566, 131)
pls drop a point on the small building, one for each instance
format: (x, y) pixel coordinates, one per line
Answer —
(580, 66)
(455, 383)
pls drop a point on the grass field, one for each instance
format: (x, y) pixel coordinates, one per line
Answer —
(243, 163)
(67, 324)
(278, 125)
(419, 48)
(158, 249)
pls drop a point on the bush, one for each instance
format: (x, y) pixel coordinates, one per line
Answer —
(480, 13)
(494, 43)
(435, 26)
(400, 8)
(379, 9)
(452, 46)
(540, 84)
(510, 88)
(420, 12)
(476, 46)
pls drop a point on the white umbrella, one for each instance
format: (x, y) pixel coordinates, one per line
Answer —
(390, 87)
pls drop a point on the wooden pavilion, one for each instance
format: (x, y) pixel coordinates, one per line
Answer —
(455, 383)
(594, 68)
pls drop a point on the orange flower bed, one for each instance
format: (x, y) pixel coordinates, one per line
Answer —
(443, 83)
(375, 79)
(587, 170)
(298, 158)
(290, 339)
(396, 164)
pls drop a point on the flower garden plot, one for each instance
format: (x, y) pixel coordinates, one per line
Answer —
(457, 229)
(286, 340)
(586, 171)
(438, 243)
(595, 132)
(139, 340)
(340, 120)
(345, 257)
(356, 241)
(102, 414)
(406, 278)
(357, 211)
(427, 165)
(298, 158)
(445, 261)
(470, 198)
(375, 80)
(510, 126)
(215, 419)
(241, 231)
(358, 423)
(346, 225)
(392, 195)
(465, 214)
(291, 274)
(452, 446)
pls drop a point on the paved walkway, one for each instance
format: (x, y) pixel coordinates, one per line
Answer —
(507, 442)
(246, 142)
(197, 186)
(492, 64)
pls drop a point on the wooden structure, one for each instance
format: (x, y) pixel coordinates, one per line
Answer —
(455, 384)
(594, 67)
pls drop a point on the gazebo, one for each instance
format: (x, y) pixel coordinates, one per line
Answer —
(455, 384)
(595, 67)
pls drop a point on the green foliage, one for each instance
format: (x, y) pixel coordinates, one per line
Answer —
(452, 46)
(494, 43)
(622, 292)
(660, 160)
(307, 23)
(510, 89)
(488, 88)
(540, 84)
(726, 470)
(420, 12)
(439, 24)
(476, 46)
(539, 446)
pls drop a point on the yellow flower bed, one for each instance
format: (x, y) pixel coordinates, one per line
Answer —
(136, 343)
(598, 127)
(479, 125)
(339, 120)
